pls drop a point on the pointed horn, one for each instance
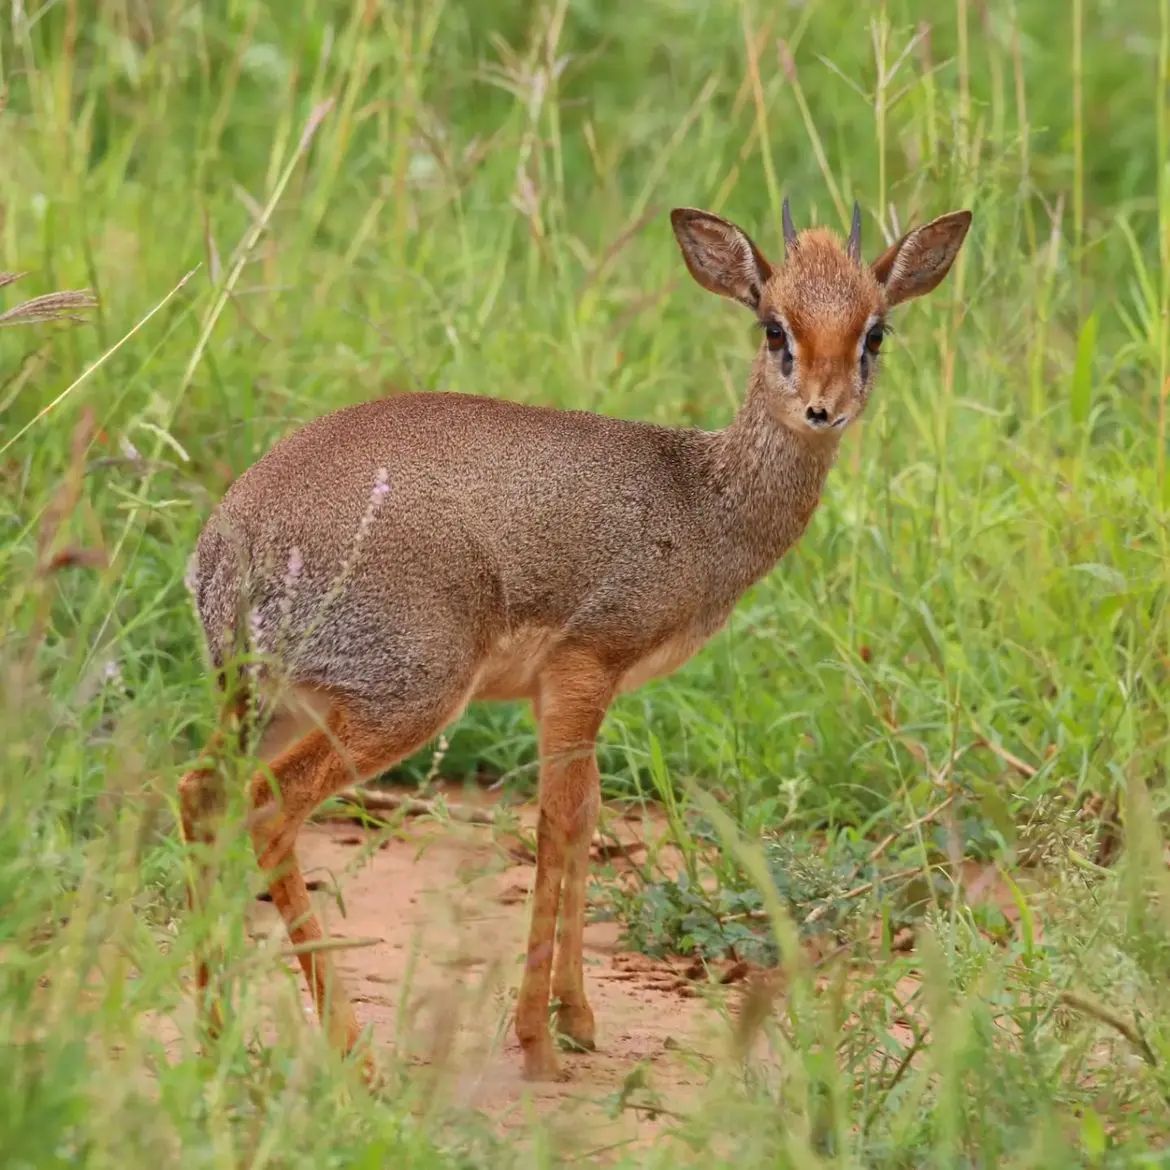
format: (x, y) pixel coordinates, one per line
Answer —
(854, 246)
(789, 230)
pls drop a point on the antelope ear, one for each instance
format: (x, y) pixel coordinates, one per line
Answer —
(720, 256)
(917, 263)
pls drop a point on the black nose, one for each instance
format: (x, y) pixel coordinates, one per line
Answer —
(818, 418)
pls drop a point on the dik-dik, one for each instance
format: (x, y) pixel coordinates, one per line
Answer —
(393, 561)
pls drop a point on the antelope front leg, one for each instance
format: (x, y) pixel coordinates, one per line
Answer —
(575, 692)
(574, 1017)
(540, 1062)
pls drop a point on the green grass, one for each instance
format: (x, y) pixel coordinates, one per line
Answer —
(475, 196)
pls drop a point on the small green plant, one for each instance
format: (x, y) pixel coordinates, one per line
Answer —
(723, 915)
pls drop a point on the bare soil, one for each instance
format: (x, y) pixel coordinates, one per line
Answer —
(441, 911)
(436, 914)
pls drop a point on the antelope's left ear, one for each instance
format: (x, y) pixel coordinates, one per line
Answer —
(721, 256)
(917, 263)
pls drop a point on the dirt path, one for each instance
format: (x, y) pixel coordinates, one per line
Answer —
(444, 908)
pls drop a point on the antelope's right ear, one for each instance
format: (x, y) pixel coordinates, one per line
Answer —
(917, 263)
(720, 256)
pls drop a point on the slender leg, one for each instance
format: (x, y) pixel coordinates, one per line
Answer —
(540, 1062)
(575, 692)
(310, 770)
(574, 1017)
(306, 774)
(303, 776)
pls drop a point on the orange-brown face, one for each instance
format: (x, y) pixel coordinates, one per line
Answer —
(823, 312)
(823, 319)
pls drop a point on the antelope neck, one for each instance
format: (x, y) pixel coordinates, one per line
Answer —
(768, 480)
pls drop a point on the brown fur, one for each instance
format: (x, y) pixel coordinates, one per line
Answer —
(395, 560)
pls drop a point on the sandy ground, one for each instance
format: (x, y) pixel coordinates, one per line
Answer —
(437, 912)
(442, 912)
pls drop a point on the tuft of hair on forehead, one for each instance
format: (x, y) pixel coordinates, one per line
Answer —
(821, 291)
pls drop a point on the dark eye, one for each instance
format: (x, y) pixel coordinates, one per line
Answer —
(874, 338)
(777, 338)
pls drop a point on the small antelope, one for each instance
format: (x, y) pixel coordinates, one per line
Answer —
(395, 560)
